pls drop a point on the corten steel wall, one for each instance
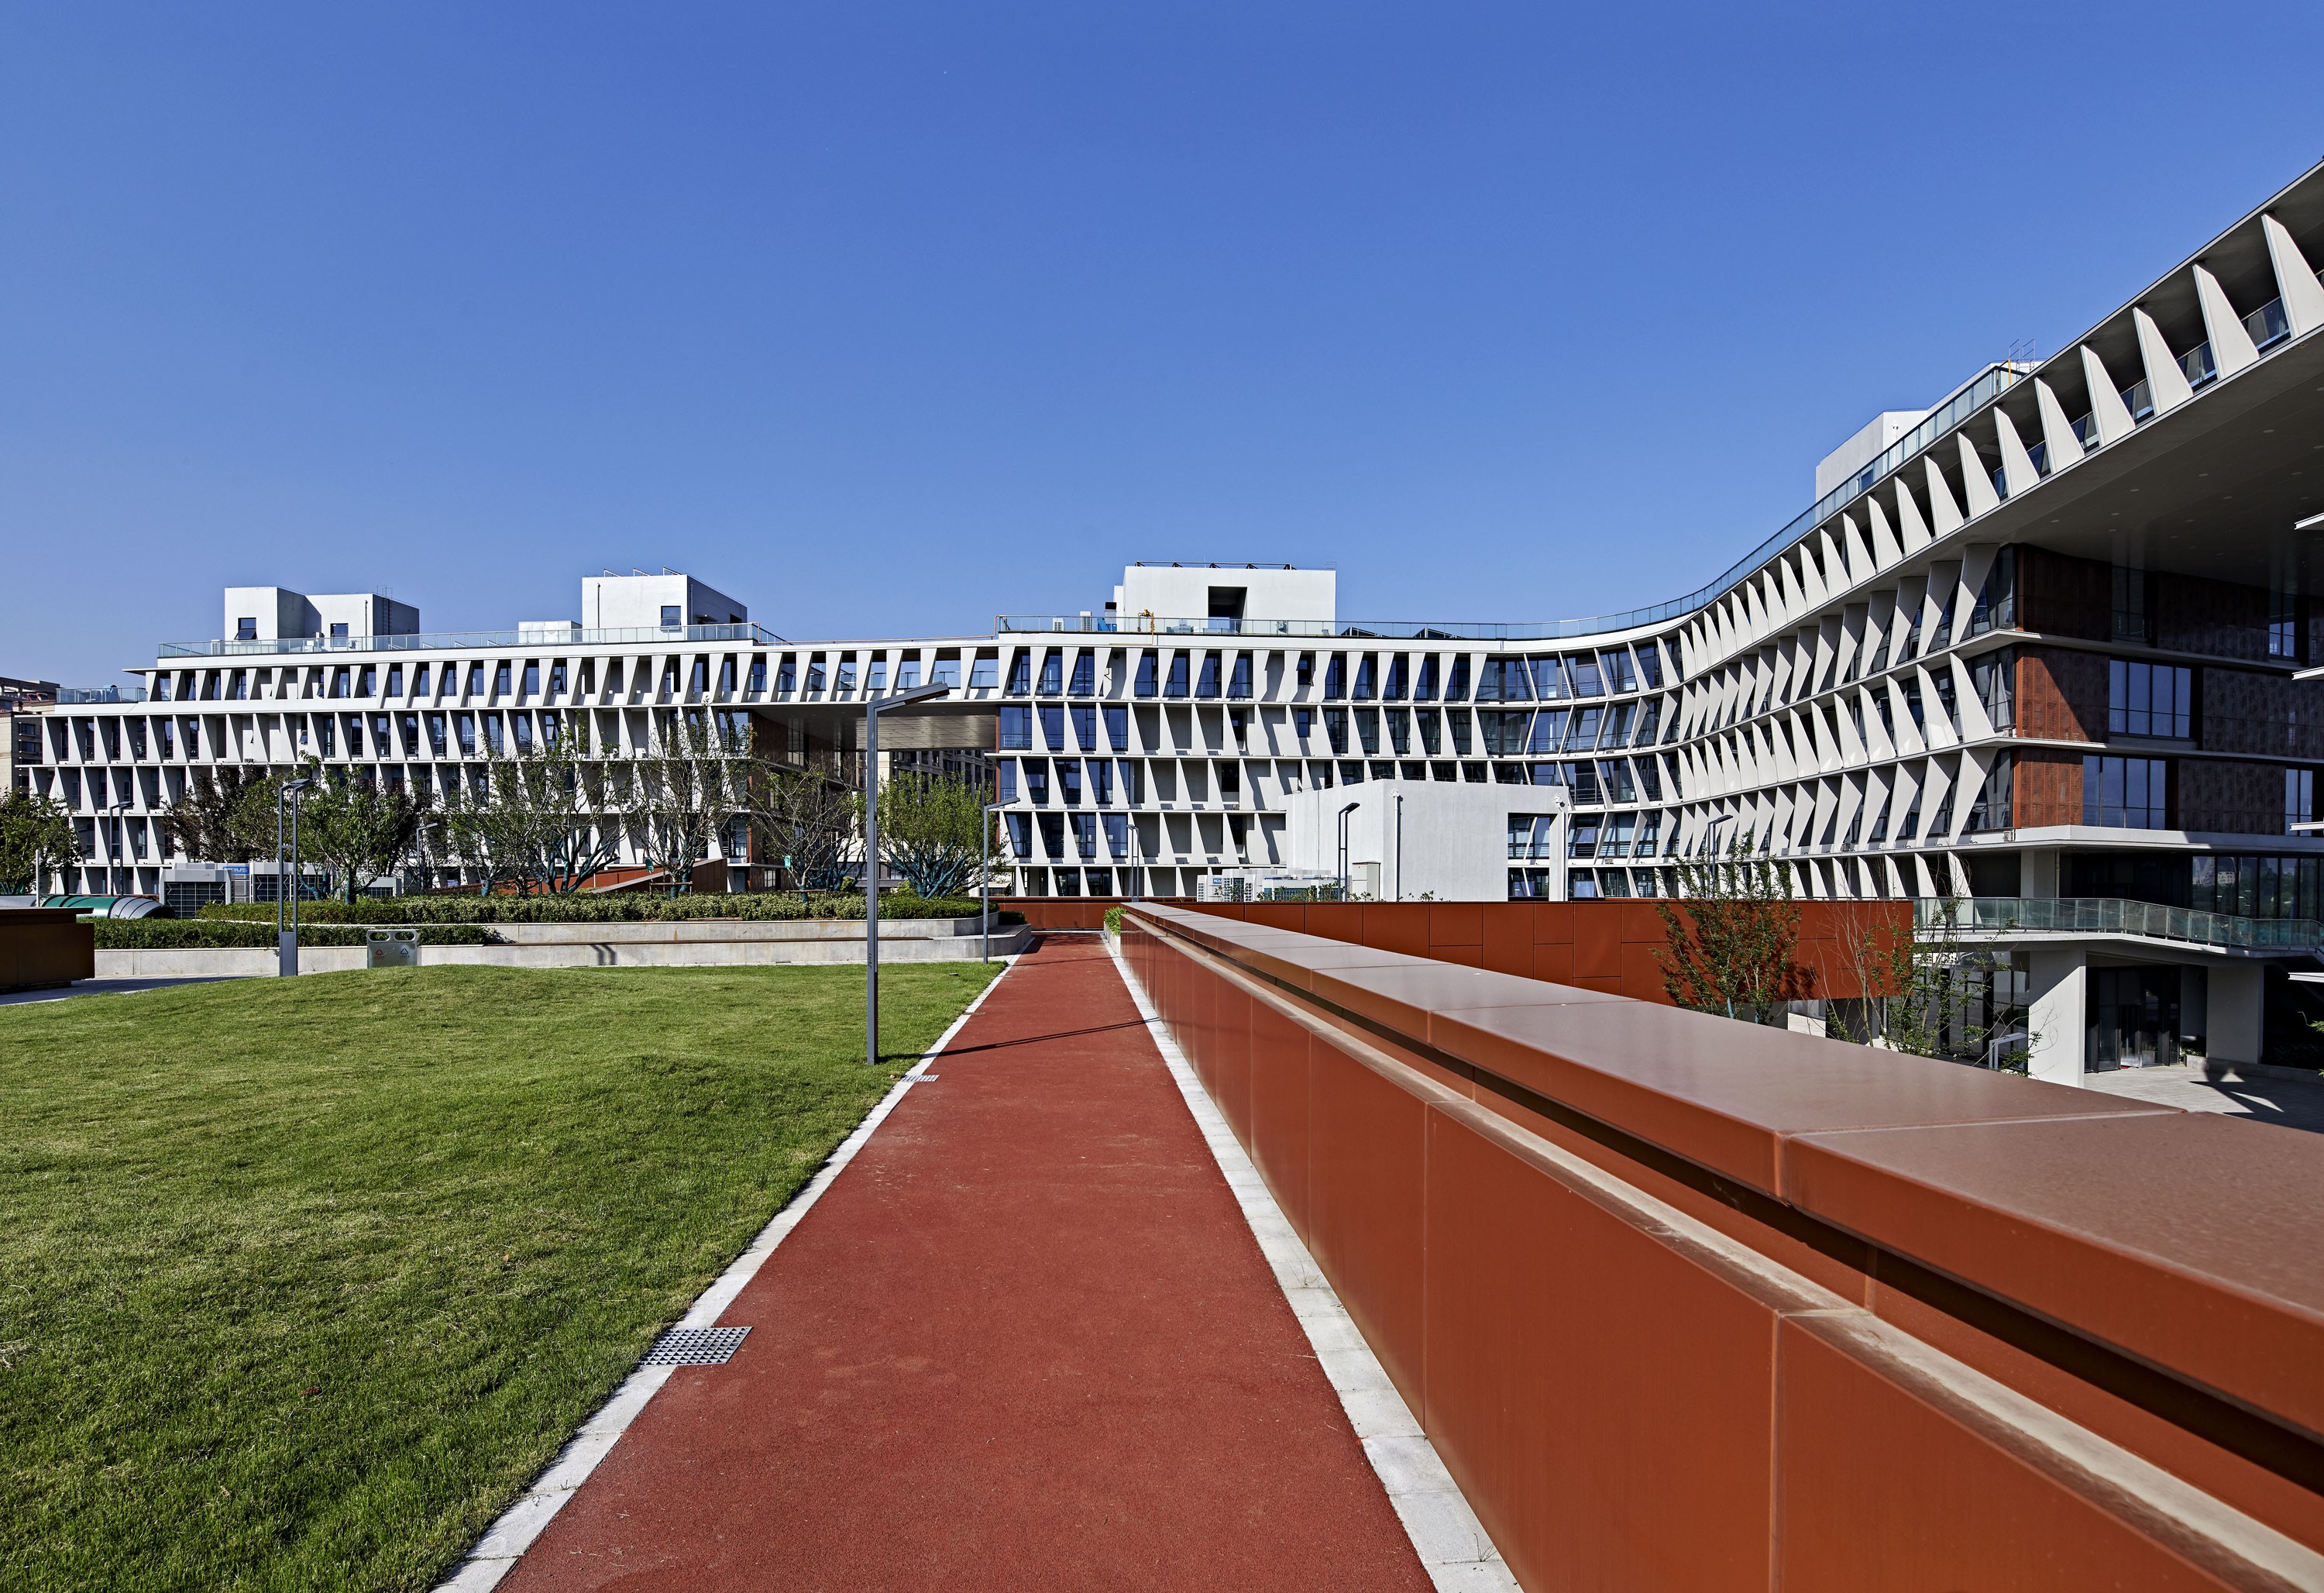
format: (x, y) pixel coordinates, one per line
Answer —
(1687, 1303)
(45, 946)
(1607, 946)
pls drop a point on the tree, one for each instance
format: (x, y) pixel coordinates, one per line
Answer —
(37, 838)
(1731, 936)
(685, 793)
(224, 815)
(354, 825)
(932, 831)
(809, 822)
(1927, 992)
(541, 822)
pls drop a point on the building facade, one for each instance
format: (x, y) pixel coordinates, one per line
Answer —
(2045, 646)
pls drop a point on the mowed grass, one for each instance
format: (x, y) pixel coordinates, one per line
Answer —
(301, 1283)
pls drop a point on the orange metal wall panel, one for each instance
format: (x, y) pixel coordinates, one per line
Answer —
(1278, 1137)
(1605, 1402)
(1365, 1189)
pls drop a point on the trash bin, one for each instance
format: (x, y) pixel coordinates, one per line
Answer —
(392, 949)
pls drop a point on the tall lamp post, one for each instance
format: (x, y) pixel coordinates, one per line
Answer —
(113, 840)
(984, 873)
(1351, 808)
(286, 941)
(873, 707)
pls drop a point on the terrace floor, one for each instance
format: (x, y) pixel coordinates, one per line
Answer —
(2289, 1103)
(1026, 1338)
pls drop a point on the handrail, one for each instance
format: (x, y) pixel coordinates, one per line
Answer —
(434, 641)
(2113, 915)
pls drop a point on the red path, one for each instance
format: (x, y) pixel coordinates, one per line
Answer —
(1025, 1340)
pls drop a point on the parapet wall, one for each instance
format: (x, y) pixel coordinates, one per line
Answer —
(1689, 1303)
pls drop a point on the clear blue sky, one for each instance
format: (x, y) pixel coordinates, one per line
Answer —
(885, 318)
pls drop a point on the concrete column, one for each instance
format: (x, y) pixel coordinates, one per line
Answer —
(2057, 1013)
(2237, 996)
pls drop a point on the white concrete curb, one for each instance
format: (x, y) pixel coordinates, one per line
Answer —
(506, 1539)
(1451, 1544)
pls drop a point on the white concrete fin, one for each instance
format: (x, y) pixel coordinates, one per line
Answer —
(2016, 464)
(1859, 556)
(2057, 431)
(1976, 483)
(2166, 384)
(1944, 515)
(1977, 563)
(2231, 344)
(2110, 413)
(2303, 295)
(1913, 533)
(1886, 550)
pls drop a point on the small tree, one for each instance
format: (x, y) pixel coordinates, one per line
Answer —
(932, 831)
(353, 827)
(809, 822)
(1927, 992)
(224, 815)
(37, 838)
(1731, 936)
(684, 793)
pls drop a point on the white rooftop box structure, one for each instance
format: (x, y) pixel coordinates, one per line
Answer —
(1227, 591)
(269, 614)
(668, 601)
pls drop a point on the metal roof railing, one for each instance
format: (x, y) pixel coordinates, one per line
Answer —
(2111, 915)
(462, 641)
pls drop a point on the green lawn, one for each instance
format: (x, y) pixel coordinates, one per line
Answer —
(301, 1283)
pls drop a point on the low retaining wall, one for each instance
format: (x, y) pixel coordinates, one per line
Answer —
(251, 962)
(1688, 1303)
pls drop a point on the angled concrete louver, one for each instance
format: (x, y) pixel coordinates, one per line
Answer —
(1977, 485)
(2108, 413)
(2016, 464)
(2303, 295)
(1912, 529)
(2231, 344)
(2058, 437)
(1944, 515)
(2167, 386)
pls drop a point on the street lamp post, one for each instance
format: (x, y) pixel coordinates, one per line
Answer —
(113, 843)
(872, 708)
(1351, 808)
(286, 941)
(984, 873)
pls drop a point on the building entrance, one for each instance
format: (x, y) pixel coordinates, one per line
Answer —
(2133, 1018)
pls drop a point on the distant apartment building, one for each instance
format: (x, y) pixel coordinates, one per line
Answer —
(2046, 647)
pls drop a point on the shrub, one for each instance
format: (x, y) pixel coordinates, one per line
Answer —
(624, 907)
(154, 934)
(1113, 920)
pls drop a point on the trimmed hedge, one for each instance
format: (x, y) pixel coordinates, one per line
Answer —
(155, 934)
(624, 907)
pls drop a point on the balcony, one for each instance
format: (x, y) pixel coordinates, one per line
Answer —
(2106, 915)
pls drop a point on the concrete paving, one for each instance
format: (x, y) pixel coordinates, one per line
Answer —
(1025, 1340)
(2288, 1103)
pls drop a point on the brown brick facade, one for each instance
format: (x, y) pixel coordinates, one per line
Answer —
(2048, 789)
(2061, 694)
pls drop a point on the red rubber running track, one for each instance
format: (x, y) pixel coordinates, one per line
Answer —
(1024, 1341)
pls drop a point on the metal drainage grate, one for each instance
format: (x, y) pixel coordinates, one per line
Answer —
(695, 1346)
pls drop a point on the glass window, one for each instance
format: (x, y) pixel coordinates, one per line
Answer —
(1302, 723)
(1581, 778)
(1992, 807)
(2124, 793)
(1016, 725)
(984, 674)
(1335, 676)
(1085, 680)
(1085, 726)
(1175, 686)
(1117, 729)
(1617, 732)
(875, 673)
(669, 612)
(755, 684)
(1145, 686)
(1117, 835)
(1581, 670)
(814, 673)
(1238, 683)
(908, 672)
(1581, 834)
(1069, 781)
(1424, 688)
(1335, 727)
(1100, 779)
(500, 679)
(1368, 728)
(1053, 673)
(1650, 665)
(1581, 734)
(2134, 620)
(1005, 782)
(945, 671)
(1614, 779)
(2298, 797)
(1206, 684)
(1392, 689)
(1086, 834)
(1432, 730)
(1457, 720)
(2149, 700)
(1456, 679)
(1399, 729)
(1614, 664)
(1990, 678)
(1037, 780)
(2283, 626)
(1548, 677)
(1364, 692)
(1052, 834)
(786, 677)
(1020, 834)
(1053, 725)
